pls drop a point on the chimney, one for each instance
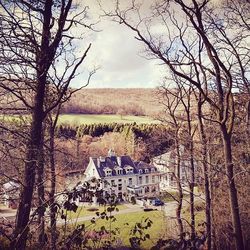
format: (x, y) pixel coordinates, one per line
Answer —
(111, 153)
(98, 163)
(119, 161)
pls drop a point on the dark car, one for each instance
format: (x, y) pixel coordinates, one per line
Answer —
(157, 202)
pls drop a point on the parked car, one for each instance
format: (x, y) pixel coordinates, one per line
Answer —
(157, 202)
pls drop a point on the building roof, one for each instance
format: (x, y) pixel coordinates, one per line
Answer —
(168, 157)
(121, 162)
(10, 186)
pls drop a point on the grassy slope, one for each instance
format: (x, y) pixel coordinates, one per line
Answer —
(83, 211)
(156, 231)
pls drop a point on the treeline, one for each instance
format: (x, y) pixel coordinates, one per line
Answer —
(158, 135)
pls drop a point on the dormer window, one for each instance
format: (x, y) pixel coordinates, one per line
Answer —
(129, 170)
(140, 171)
(146, 170)
(152, 170)
(119, 171)
(108, 172)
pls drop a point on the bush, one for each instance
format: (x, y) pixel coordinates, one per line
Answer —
(148, 209)
(133, 201)
(92, 209)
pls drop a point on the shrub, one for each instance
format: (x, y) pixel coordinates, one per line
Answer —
(92, 209)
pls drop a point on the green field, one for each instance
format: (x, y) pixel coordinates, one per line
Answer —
(84, 211)
(125, 222)
(92, 119)
(77, 119)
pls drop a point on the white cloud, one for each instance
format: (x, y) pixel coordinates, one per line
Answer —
(116, 51)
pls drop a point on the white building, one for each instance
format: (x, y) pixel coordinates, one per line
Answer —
(123, 176)
(166, 164)
(10, 194)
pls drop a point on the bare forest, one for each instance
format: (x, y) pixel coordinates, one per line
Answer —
(49, 200)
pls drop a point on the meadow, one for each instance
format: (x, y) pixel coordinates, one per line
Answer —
(126, 223)
(78, 119)
(93, 119)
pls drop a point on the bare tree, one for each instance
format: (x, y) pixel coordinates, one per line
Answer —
(171, 100)
(204, 161)
(35, 38)
(191, 44)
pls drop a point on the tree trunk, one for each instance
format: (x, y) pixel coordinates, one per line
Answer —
(53, 190)
(206, 178)
(248, 124)
(41, 198)
(248, 116)
(180, 193)
(191, 190)
(192, 180)
(232, 188)
(33, 148)
(34, 143)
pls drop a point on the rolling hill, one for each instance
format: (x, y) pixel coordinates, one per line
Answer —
(129, 101)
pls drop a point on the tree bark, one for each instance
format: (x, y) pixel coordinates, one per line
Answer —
(180, 192)
(34, 143)
(33, 148)
(41, 198)
(191, 189)
(206, 177)
(53, 190)
(232, 188)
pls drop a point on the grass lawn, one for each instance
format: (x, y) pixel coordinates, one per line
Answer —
(156, 231)
(85, 119)
(83, 211)
(200, 218)
(168, 196)
(92, 119)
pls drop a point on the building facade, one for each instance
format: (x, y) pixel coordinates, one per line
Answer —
(124, 177)
(166, 164)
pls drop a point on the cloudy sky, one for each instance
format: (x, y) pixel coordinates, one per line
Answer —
(119, 56)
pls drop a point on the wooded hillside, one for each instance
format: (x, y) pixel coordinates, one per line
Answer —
(138, 101)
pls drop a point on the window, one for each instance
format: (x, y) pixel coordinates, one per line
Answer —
(146, 179)
(152, 170)
(130, 181)
(106, 184)
(120, 187)
(119, 180)
(112, 183)
(146, 170)
(140, 171)
(140, 179)
(108, 172)
(119, 171)
(129, 171)
(153, 179)
(146, 189)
